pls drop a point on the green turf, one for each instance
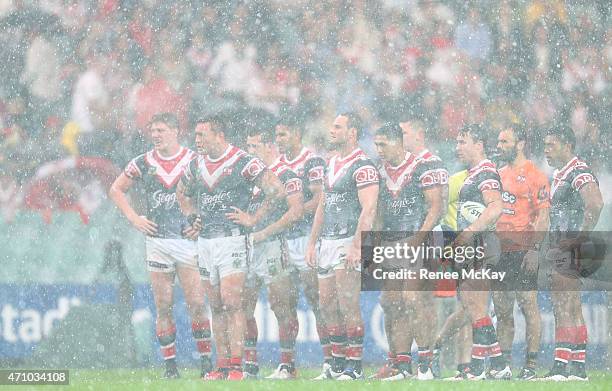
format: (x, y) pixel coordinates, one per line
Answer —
(150, 380)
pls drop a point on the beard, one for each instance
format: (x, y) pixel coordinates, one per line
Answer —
(508, 156)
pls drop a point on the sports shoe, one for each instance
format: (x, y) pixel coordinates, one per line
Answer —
(283, 372)
(327, 373)
(458, 376)
(246, 375)
(399, 375)
(205, 366)
(500, 374)
(471, 376)
(351, 374)
(385, 371)
(427, 375)
(526, 374)
(435, 363)
(235, 374)
(171, 373)
(577, 374)
(577, 377)
(552, 376)
(218, 374)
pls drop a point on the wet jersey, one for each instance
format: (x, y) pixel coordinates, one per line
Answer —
(482, 177)
(160, 176)
(454, 187)
(292, 184)
(525, 192)
(566, 204)
(219, 184)
(344, 177)
(402, 203)
(309, 167)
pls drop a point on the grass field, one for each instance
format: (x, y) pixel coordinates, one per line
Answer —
(150, 380)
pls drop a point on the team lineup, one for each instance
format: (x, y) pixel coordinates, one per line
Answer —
(228, 222)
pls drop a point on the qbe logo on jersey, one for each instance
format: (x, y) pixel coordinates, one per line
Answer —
(366, 175)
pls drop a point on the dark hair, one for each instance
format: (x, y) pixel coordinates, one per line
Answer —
(564, 133)
(267, 135)
(407, 113)
(292, 120)
(169, 119)
(354, 121)
(477, 132)
(219, 122)
(520, 134)
(391, 130)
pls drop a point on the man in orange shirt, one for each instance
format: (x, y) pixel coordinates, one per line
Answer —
(521, 228)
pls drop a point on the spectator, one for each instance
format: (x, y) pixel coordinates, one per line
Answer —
(90, 98)
(474, 36)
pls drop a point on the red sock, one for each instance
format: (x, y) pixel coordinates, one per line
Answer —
(236, 362)
(166, 339)
(201, 334)
(325, 342)
(564, 339)
(580, 343)
(250, 342)
(355, 343)
(223, 362)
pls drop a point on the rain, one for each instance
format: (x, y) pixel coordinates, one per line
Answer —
(88, 88)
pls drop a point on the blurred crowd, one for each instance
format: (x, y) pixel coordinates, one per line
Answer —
(83, 77)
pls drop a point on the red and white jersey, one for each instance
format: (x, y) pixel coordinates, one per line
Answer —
(220, 184)
(160, 175)
(344, 177)
(310, 168)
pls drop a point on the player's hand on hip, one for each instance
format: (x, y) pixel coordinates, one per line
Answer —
(144, 225)
(240, 217)
(311, 256)
(190, 232)
(257, 236)
(353, 257)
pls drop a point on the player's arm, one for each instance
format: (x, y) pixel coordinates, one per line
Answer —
(434, 197)
(593, 204)
(118, 193)
(273, 194)
(494, 207)
(185, 202)
(311, 206)
(295, 202)
(493, 210)
(317, 223)
(368, 199)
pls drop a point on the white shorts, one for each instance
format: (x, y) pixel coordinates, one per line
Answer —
(221, 257)
(405, 261)
(296, 249)
(265, 261)
(332, 256)
(562, 261)
(163, 254)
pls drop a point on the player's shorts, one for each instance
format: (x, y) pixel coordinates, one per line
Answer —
(406, 260)
(483, 251)
(296, 249)
(221, 257)
(266, 261)
(562, 261)
(516, 278)
(332, 256)
(162, 255)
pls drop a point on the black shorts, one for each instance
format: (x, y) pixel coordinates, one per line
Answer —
(516, 278)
